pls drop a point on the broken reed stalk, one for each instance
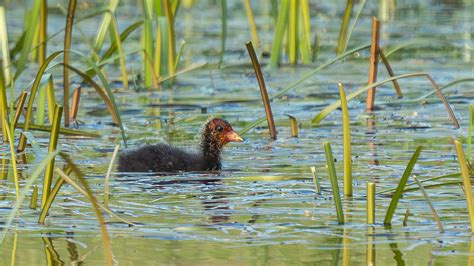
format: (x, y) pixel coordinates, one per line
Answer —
(76, 97)
(317, 187)
(370, 202)
(374, 59)
(34, 198)
(19, 107)
(405, 217)
(333, 177)
(401, 185)
(430, 204)
(67, 45)
(346, 139)
(107, 176)
(293, 126)
(466, 182)
(263, 90)
(53, 142)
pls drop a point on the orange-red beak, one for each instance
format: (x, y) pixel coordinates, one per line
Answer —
(231, 136)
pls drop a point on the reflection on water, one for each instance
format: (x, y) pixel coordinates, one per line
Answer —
(262, 209)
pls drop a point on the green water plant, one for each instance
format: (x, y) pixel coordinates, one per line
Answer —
(346, 142)
(401, 185)
(333, 177)
(5, 48)
(466, 181)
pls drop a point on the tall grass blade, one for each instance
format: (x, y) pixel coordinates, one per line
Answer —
(147, 40)
(373, 64)
(370, 202)
(346, 17)
(251, 22)
(67, 46)
(118, 44)
(93, 200)
(52, 195)
(224, 28)
(396, 86)
(450, 84)
(42, 32)
(107, 176)
(31, 180)
(316, 70)
(11, 143)
(53, 143)
(353, 24)
(263, 90)
(333, 177)
(292, 38)
(430, 204)
(401, 185)
(171, 37)
(346, 139)
(5, 48)
(466, 182)
(27, 42)
(323, 113)
(304, 32)
(104, 25)
(3, 105)
(469, 134)
(280, 29)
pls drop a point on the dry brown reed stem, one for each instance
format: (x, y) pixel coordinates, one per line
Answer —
(19, 107)
(76, 97)
(374, 58)
(67, 45)
(398, 90)
(263, 90)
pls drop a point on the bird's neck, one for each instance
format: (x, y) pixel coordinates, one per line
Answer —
(211, 152)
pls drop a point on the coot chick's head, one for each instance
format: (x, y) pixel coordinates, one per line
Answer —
(218, 132)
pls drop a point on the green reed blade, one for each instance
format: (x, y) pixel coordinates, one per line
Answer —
(4, 47)
(466, 181)
(252, 125)
(40, 104)
(158, 50)
(52, 195)
(342, 39)
(333, 177)
(370, 202)
(50, 97)
(63, 131)
(118, 43)
(53, 143)
(280, 29)
(147, 41)
(430, 204)
(11, 142)
(450, 84)
(315, 48)
(30, 181)
(251, 22)
(469, 133)
(42, 32)
(178, 56)
(454, 175)
(31, 23)
(353, 24)
(107, 176)
(346, 140)
(67, 46)
(224, 28)
(401, 185)
(292, 33)
(123, 36)
(104, 25)
(304, 32)
(316, 70)
(3, 105)
(171, 37)
(103, 229)
(325, 112)
(274, 14)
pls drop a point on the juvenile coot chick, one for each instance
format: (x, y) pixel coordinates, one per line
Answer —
(164, 158)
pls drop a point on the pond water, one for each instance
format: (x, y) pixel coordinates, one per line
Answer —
(262, 208)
